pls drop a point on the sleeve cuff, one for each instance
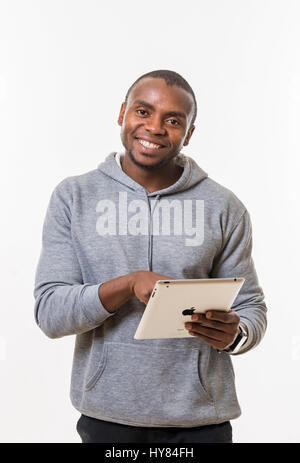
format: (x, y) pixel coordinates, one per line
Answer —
(250, 339)
(92, 305)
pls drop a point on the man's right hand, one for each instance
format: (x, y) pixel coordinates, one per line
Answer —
(143, 282)
(114, 293)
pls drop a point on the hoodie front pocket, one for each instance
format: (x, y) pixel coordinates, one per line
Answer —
(149, 385)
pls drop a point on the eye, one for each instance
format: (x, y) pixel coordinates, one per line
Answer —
(142, 112)
(174, 122)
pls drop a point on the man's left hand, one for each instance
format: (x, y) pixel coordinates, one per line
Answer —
(219, 329)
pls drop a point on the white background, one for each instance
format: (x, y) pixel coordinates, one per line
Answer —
(65, 67)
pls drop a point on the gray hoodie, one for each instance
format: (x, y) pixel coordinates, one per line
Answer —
(103, 224)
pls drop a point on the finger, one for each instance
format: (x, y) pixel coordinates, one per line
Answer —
(224, 317)
(221, 326)
(213, 342)
(216, 335)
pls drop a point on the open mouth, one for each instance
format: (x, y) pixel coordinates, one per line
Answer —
(149, 146)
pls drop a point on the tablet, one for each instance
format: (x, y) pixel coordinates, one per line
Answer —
(172, 303)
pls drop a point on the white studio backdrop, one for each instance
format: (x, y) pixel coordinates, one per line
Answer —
(65, 67)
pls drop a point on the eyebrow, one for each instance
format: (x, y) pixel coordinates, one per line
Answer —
(169, 113)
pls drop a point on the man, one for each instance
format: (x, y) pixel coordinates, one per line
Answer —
(104, 247)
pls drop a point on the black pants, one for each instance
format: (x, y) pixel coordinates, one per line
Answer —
(92, 430)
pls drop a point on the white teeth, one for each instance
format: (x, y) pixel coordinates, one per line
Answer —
(148, 145)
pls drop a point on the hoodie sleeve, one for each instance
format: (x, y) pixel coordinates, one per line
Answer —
(235, 260)
(63, 304)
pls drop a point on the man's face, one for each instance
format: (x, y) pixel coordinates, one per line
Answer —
(155, 122)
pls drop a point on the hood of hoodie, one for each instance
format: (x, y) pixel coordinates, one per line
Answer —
(191, 175)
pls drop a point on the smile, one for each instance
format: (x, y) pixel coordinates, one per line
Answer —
(147, 144)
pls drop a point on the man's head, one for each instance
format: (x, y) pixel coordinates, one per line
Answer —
(159, 108)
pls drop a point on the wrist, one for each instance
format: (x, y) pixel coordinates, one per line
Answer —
(239, 340)
(114, 293)
(245, 327)
(131, 282)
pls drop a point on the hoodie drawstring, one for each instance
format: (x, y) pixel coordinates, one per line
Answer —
(150, 230)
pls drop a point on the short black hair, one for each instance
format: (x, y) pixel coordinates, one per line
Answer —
(171, 78)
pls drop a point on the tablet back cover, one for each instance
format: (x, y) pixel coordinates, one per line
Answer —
(163, 317)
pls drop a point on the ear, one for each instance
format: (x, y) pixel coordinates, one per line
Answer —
(121, 114)
(189, 134)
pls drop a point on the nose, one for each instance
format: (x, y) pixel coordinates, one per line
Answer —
(154, 126)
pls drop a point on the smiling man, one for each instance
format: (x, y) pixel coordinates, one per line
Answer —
(105, 244)
(157, 121)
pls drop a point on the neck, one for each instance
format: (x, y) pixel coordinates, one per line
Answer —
(154, 179)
